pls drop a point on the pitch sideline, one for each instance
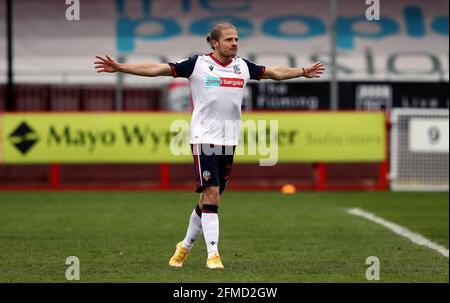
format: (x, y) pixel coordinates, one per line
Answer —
(399, 230)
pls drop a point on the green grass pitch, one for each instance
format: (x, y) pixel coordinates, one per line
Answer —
(264, 236)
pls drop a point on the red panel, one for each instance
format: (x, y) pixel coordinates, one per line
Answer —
(65, 98)
(31, 97)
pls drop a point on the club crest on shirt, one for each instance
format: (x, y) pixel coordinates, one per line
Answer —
(237, 70)
(206, 175)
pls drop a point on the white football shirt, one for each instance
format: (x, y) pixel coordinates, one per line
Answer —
(217, 91)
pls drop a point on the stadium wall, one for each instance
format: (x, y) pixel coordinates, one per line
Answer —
(397, 62)
(35, 157)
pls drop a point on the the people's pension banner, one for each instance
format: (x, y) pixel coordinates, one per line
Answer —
(391, 40)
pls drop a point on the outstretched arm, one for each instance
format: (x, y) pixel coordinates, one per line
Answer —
(283, 73)
(149, 69)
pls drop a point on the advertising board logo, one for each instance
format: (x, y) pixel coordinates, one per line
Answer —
(374, 97)
(23, 138)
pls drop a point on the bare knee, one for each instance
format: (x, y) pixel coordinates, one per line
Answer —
(210, 195)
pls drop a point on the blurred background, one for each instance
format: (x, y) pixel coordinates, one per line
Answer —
(397, 65)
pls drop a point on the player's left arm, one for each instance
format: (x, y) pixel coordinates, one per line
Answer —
(283, 73)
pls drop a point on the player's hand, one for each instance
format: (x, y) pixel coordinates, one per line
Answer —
(314, 70)
(106, 65)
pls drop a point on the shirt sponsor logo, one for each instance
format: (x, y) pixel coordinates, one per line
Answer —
(224, 82)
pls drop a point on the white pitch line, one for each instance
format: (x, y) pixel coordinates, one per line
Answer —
(399, 230)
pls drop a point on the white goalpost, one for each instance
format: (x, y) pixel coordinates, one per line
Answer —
(419, 149)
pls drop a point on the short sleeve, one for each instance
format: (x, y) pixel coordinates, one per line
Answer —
(256, 71)
(183, 68)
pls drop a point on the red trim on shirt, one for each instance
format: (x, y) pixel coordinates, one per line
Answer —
(220, 63)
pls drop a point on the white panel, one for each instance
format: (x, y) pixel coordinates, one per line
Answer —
(428, 135)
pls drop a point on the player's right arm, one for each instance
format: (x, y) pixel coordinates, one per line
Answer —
(148, 69)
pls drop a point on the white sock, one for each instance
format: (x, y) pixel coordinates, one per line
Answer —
(210, 226)
(193, 231)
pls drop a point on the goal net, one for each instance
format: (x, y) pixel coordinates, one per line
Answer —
(419, 149)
